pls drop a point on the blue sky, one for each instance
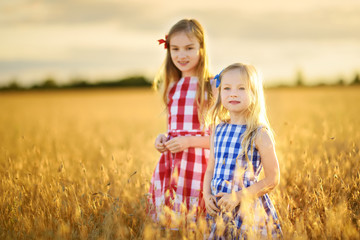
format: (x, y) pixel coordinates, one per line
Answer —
(107, 39)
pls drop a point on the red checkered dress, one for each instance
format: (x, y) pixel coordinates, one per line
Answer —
(178, 177)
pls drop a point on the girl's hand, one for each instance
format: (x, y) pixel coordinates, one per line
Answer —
(228, 201)
(160, 143)
(210, 205)
(177, 144)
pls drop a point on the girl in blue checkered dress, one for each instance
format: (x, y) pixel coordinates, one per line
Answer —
(237, 201)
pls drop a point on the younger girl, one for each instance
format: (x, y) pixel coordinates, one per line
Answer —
(237, 203)
(177, 181)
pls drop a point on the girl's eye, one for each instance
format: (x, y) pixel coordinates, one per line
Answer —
(226, 88)
(242, 88)
(174, 49)
(190, 48)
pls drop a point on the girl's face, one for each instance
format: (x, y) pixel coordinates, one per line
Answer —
(185, 53)
(235, 93)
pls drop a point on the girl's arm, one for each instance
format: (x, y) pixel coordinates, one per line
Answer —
(181, 143)
(266, 148)
(210, 199)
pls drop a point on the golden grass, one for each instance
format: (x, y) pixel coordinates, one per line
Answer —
(77, 164)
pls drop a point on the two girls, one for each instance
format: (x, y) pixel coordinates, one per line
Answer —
(241, 144)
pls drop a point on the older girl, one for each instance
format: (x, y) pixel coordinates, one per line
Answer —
(176, 184)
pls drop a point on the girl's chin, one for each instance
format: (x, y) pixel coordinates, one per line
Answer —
(182, 68)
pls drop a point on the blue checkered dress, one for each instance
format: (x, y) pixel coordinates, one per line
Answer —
(232, 173)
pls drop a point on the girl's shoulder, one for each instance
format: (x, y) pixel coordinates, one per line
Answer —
(221, 124)
(216, 128)
(264, 137)
(212, 81)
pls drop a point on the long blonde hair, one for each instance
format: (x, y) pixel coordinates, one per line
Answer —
(169, 73)
(256, 116)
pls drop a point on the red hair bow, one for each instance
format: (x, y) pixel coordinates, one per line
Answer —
(161, 41)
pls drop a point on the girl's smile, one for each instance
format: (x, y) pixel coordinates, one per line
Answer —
(234, 102)
(183, 63)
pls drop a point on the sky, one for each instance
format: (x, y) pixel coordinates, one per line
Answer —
(111, 39)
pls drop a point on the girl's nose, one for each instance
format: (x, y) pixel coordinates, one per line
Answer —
(182, 54)
(233, 94)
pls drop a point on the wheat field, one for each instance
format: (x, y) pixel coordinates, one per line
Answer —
(77, 164)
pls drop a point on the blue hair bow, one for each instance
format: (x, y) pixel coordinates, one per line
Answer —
(217, 78)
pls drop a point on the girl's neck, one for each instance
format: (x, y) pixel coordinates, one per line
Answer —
(188, 75)
(237, 118)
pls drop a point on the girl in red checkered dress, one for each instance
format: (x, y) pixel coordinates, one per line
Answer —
(176, 184)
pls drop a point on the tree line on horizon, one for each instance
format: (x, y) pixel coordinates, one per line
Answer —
(340, 82)
(142, 82)
(50, 84)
